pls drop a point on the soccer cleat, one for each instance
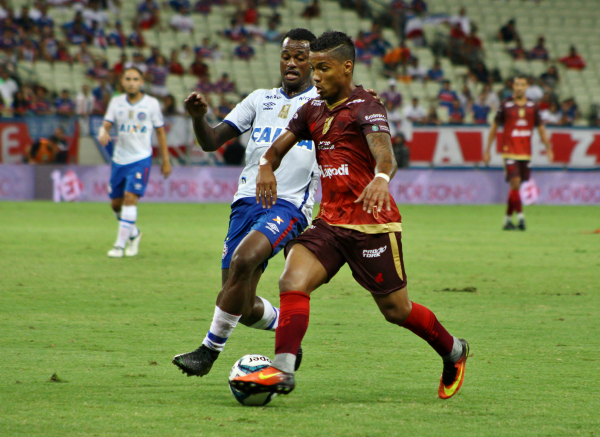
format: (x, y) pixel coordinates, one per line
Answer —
(115, 252)
(267, 380)
(453, 374)
(196, 363)
(134, 245)
(508, 226)
(521, 225)
(298, 359)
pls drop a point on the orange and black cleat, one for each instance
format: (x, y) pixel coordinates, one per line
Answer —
(453, 374)
(267, 380)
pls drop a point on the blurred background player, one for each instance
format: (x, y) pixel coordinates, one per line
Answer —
(256, 235)
(519, 116)
(134, 114)
(354, 152)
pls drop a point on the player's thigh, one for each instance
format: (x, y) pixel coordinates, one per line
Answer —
(130, 199)
(243, 216)
(117, 181)
(303, 271)
(254, 250)
(376, 260)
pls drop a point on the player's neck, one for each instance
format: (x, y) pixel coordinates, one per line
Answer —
(295, 91)
(520, 100)
(341, 96)
(134, 98)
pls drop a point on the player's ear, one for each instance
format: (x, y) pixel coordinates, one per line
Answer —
(348, 67)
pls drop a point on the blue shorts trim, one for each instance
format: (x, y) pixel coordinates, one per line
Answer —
(280, 224)
(129, 177)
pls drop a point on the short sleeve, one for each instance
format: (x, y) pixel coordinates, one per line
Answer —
(110, 112)
(372, 117)
(499, 119)
(244, 113)
(298, 124)
(157, 117)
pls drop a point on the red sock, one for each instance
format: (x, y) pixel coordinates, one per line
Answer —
(293, 322)
(423, 322)
(517, 201)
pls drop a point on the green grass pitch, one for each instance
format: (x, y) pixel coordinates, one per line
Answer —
(108, 329)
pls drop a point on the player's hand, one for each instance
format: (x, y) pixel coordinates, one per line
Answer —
(266, 186)
(103, 137)
(486, 158)
(550, 155)
(374, 94)
(196, 105)
(375, 196)
(166, 168)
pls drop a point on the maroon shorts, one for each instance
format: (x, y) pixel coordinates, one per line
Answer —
(375, 259)
(517, 168)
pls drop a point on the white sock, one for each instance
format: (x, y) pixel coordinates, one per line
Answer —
(220, 329)
(129, 214)
(457, 350)
(508, 219)
(520, 216)
(285, 362)
(270, 318)
(123, 234)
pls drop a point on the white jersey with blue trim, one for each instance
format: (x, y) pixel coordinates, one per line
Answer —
(134, 124)
(266, 113)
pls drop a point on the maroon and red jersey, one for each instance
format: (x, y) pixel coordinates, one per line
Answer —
(345, 160)
(518, 122)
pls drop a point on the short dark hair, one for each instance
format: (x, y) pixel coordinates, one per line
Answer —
(299, 34)
(341, 44)
(521, 76)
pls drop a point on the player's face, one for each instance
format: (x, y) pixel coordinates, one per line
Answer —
(294, 66)
(519, 87)
(329, 75)
(132, 82)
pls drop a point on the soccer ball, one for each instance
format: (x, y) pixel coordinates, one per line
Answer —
(245, 365)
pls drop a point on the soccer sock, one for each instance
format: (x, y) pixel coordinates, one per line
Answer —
(509, 204)
(221, 328)
(129, 214)
(123, 234)
(518, 207)
(457, 350)
(423, 323)
(293, 323)
(270, 318)
(520, 216)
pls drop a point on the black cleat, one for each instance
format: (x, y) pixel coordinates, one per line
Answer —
(298, 359)
(508, 226)
(521, 225)
(196, 363)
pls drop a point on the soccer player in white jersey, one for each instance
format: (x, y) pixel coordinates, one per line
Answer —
(134, 114)
(255, 234)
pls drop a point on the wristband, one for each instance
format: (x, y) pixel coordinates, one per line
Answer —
(263, 161)
(383, 176)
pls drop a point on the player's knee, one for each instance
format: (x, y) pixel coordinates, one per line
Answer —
(288, 282)
(396, 314)
(243, 264)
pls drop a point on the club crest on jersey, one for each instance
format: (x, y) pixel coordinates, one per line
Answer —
(521, 112)
(284, 111)
(279, 220)
(142, 116)
(327, 124)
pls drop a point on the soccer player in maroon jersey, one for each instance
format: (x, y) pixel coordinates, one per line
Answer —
(519, 116)
(358, 223)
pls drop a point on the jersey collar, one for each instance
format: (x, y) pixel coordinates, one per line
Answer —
(303, 92)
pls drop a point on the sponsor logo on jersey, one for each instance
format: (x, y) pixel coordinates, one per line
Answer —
(273, 97)
(521, 133)
(279, 220)
(376, 117)
(141, 116)
(521, 112)
(521, 122)
(269, 134)
(133, 129)
(273, 228)
(326, 145)
(328, 172)
(317, 102)
(225, 250)
(284, 111)
(374, 253)
(356, 101)
(268, 106)
(374, 128)
(509, 104)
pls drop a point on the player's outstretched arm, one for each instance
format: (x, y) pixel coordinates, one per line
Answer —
(164, 151)
(491, 138)
(210, 138)
(544, 136)
(376, 194)
(266, 184)
(103, 133)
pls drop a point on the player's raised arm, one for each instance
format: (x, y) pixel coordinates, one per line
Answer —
(376, 194)
(266, 184)
(490, 140)
(544, 137)
(210, 138)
